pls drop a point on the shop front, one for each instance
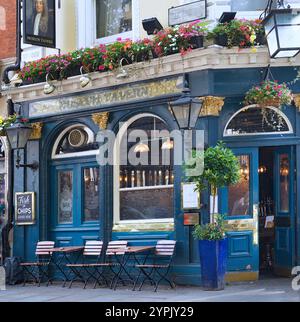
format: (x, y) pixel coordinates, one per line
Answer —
(78, 199)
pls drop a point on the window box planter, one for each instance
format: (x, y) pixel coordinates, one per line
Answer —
(221, 40)
(197, 41)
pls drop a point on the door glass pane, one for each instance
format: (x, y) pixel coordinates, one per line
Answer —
(65, 196)
(113, 17)
(91, 194)
(284, 169)
(238, 194)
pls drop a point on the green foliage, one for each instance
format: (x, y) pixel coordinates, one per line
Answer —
(239, 32)
(211, 231)
(221, 167)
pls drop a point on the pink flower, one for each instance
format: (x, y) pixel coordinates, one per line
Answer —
(101, 67)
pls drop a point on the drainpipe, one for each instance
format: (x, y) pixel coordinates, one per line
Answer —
(17, 64)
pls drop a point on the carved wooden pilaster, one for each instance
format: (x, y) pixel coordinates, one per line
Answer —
(297, 101)
(36, 133)
(212, 105)
(101, 119)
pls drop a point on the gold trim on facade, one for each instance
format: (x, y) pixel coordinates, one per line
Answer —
(212, 106)
(297, 101)
(36, 133)
(143, 227)
(101, 119)
(241, 276)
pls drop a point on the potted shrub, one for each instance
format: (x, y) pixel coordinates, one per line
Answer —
(269, 93)
(212, 245)
(221, 168)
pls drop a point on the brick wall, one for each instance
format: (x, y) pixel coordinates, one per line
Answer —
(7, 28)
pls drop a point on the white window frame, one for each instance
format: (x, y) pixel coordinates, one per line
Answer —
(91, 139)
(116, 176)
(86, 24)
(290, 131)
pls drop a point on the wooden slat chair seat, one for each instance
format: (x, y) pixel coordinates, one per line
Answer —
(43, 255)
(115, 253)
(82, 272)
(158, 270)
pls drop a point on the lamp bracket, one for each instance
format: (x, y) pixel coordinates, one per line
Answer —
(33, 166)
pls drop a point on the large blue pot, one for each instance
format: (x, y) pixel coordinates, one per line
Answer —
(213, 260)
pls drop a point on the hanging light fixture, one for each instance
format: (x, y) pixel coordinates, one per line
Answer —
(167, 145)
(84, 79)
(49, 87)
(282, 28)
(187, 108)
(262, 169)
(123, 73)
(141, 148)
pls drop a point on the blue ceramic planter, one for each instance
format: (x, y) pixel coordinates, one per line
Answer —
(213, 260)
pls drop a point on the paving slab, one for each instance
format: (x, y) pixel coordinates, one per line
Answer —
(268, 290)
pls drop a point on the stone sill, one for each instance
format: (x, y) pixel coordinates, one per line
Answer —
(213, 57)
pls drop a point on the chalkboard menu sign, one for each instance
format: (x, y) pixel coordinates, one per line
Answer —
(25, 208)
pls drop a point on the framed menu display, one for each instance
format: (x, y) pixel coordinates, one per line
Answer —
(25, 208)
(190, 199)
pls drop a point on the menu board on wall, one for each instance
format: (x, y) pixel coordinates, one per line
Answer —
(190, 197)
(25, 208)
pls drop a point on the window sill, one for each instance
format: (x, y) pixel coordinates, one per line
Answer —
(140, 227)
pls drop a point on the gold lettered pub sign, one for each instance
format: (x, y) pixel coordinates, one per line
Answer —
(118, 95)
(25, 208)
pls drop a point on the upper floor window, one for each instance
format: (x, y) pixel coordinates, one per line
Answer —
(113, 17)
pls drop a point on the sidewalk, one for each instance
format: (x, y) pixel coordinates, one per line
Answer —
(268, 290)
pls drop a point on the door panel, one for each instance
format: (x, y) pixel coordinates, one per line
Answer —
(74, 204)
(284, 210)
(240, 204)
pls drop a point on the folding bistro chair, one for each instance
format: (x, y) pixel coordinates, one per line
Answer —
(114, 261)
(85, 271)
(157, 271)
(39, 269)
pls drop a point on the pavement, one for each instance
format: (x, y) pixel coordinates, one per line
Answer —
(265, 290)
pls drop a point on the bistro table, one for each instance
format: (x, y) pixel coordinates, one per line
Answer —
(63, 258)
(130, 252)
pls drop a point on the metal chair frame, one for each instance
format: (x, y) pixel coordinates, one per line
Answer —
(159, 267)
(39, 269)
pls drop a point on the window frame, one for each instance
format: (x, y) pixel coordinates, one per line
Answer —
(286, 119)
(86, 25)
(116, 174)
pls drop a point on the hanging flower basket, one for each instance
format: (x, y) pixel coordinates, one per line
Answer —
(269, 93)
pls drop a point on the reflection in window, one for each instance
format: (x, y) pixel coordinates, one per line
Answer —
(256, 120)
(146, 190)
(238, 194)
(284, 182)
(65, 196)
(91, 194)
(113, 17)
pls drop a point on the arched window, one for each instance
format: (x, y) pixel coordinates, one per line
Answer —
(143, 192)
(255, 120)
(76, 140)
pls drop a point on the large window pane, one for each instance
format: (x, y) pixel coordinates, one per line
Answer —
(146, 204)
(91, 194)
(238, 194)
(284, 182)
(113, 17)
(65, 197)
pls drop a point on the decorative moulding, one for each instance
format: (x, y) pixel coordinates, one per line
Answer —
(212, 106)
(36, 133)
(297, 101)
(101, 119)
